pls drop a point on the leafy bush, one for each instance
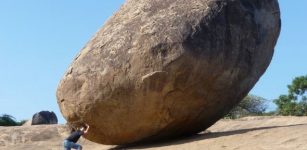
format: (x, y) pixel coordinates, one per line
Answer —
(251, 105)
(295, 103)
(8, 120)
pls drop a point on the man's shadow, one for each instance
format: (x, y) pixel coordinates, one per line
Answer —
(193, 138)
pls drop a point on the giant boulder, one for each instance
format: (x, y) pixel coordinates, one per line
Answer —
(166, 68)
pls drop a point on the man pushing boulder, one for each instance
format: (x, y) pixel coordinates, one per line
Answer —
(71, 141)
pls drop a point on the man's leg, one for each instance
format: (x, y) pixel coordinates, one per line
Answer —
(76, 146)
(67, 148)
(67, 145)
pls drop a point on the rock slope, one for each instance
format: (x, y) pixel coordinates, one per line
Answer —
(251, 133)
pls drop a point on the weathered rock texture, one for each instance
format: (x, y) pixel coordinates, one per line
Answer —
(165, 68)
(44, 117)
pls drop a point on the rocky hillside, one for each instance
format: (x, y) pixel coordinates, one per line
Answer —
(251, 133)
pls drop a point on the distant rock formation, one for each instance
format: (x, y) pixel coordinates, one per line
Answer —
(44, 117)
(27, 123)
(166, 68)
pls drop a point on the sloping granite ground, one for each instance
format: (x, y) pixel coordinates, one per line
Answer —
(250, 133)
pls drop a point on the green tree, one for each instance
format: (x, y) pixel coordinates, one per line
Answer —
(8, 120)
(295, 103)
(250, 105)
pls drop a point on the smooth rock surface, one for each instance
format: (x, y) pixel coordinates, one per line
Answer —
(251, 133)
(166, 68)
(44, 117)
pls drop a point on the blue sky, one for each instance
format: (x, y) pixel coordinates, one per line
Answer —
(289, 60)
(39, 39)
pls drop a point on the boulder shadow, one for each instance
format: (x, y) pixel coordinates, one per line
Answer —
(196, 137)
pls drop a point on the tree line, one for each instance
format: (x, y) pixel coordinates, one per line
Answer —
(292, 104)
(8, 120)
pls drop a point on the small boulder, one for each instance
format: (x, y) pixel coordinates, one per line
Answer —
(44, 117)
